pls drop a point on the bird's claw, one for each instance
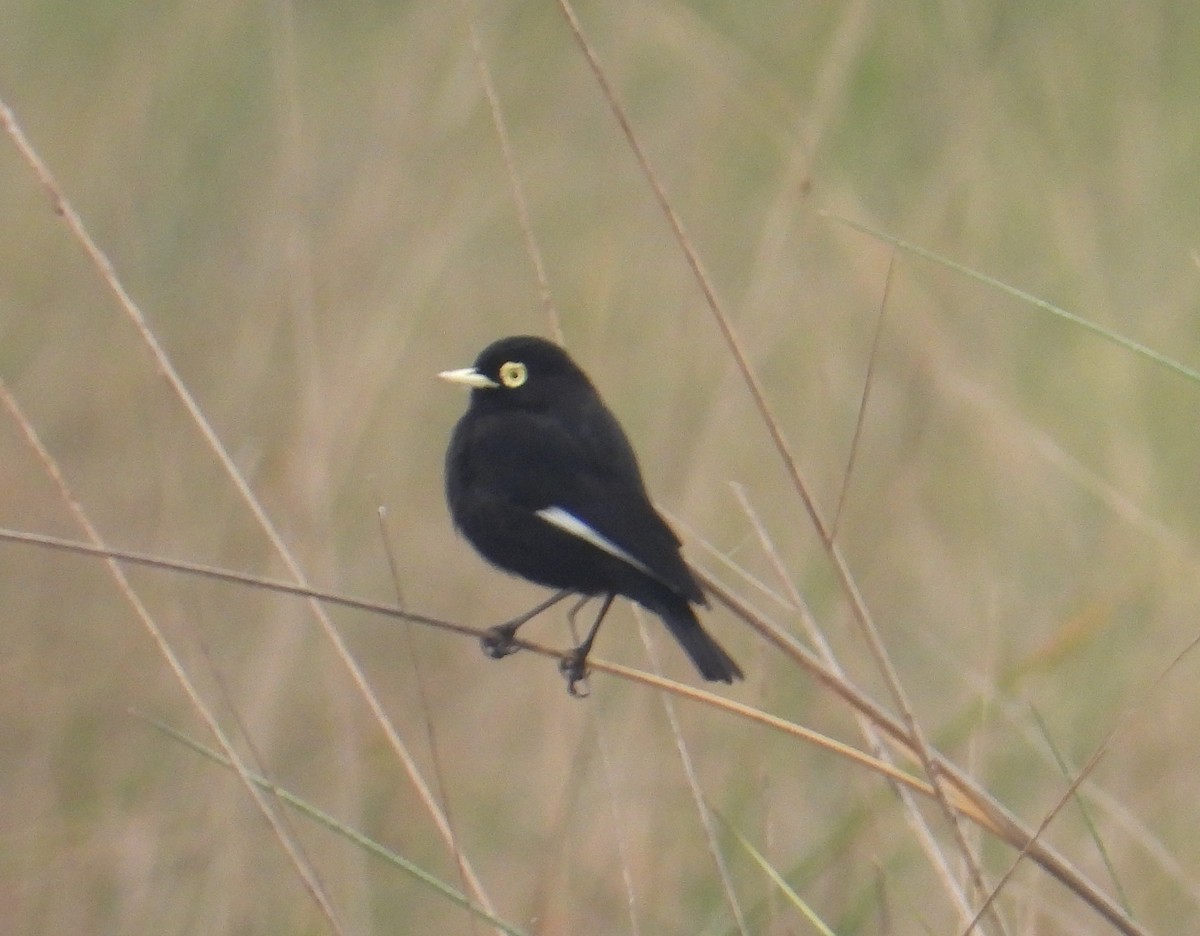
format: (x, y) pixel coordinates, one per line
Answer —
(574, 668)
(497, 642)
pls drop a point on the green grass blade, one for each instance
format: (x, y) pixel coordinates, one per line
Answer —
(1106, 333)
(1084, 811)
(330, 822)
(773, 873)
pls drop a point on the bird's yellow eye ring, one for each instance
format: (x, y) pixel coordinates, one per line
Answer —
(513, 374)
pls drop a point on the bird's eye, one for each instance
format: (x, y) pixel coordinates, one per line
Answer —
(513, 374)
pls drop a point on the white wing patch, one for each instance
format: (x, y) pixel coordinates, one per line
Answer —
(569, 523)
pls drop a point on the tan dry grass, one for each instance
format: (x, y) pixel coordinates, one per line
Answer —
(314, 216)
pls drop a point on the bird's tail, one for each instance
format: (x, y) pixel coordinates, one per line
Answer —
(710, 657)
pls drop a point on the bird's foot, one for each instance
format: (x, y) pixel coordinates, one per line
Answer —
(574, 667)
(497, 642)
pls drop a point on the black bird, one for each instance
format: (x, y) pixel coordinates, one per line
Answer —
(543, 482)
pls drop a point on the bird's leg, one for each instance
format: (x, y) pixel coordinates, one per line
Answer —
(574, 666)
(575, 609)
(497, 641)
(571, 615)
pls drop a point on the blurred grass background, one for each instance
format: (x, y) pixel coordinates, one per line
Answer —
(310, 205)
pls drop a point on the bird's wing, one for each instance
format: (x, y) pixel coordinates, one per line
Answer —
(592, 493)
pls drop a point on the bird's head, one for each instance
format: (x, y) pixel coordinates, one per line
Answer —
(522, 371)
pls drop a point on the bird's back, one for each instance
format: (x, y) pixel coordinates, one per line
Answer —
(502, 468)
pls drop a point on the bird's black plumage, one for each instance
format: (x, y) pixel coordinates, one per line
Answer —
(542, 481)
